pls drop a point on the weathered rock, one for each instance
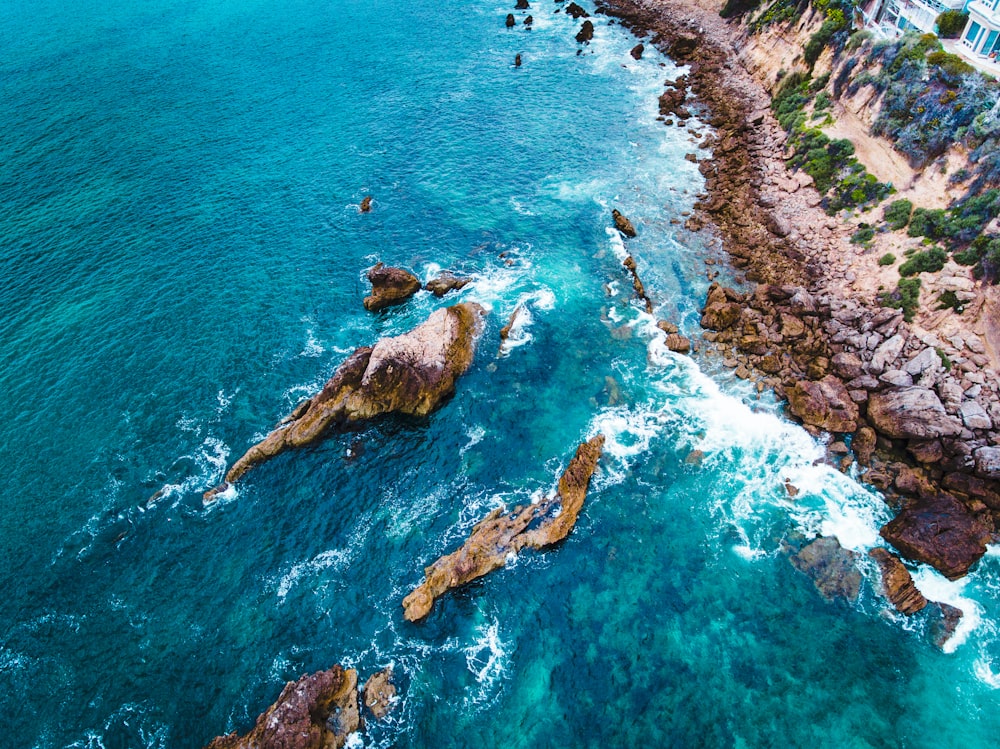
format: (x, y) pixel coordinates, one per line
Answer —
(517, 60)
(720, 312)
(863, 445)
(319, 711)
(390, 286)
(622, 224)
(575, 11)
(511, 21)
(846, 365)
(586, 32)
(887, 353)
(926, 451)
(521, 5)
(897, 584)
(896, 378)
(911, 413)
(825, 404)
(988, 461)
(411, 374)
(446, 282)
(637, 51)
(831, 567)
(503, 532)
(366, 204)
(941, 532)
(380, 693)
(677, 342)
(974, 416)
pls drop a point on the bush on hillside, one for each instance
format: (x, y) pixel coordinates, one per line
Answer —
(906, 297)
(925, 261)
(951, 23)
(897, 213)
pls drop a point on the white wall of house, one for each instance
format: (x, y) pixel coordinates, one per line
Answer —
(981, 36)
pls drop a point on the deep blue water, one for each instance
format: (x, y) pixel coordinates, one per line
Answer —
(182, 260)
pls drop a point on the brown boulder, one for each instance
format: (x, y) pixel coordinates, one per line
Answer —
(825, 404)
(521, 5)
(411, 374)
(622, 224)
(366, 204)
(720, 315)
(831, 568)
(678, 343)
(863, 445)
(380, 693)
(446, 282)
(503, 532)
(319, 711)
(637, 51)
(897, 584)
(389, 286)
(510, 22)
(911, 413)
(575, 11)
(945, 624)
(941, 532)
(586, 32)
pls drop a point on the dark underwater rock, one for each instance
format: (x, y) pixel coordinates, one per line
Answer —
(831, 567)
(504, 532)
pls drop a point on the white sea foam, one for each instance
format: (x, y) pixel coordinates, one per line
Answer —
(332, 559)
(936, 587)
(210, 460)
(313, 347)
(488, 660)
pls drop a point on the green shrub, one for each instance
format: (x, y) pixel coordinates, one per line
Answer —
(897, 213)
(906, 297)
(738, 7)
(823, 36)
(821, 102)
(950, 300)
(926, 261)
(951, 66)
(887, 259)
(863, 235)
(945, 359)
(927, 222)
(951, 23)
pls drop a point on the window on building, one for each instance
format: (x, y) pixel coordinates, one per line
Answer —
(974, 28)
(988, 45)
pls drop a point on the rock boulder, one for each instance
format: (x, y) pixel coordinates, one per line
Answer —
(897, 584)
(831, 567)
(389, 286)
(825, 404)
(911, 413)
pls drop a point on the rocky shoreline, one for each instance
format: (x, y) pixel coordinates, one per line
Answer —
(917, 414)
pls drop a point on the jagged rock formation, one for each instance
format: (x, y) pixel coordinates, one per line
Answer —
(389, 286)
(411, 374)
(897, 584)
(319, 711)
(941, 532)
(637, 51)
(831, 567)
(507, 532)
(637, 284)
(586, 32)
(622, 224)
(446, 282)
(575, 11)
(825, 404)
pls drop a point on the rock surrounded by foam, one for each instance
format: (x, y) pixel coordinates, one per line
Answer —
(389, 286)
(502, 533)
(411, 374)
(897, 584)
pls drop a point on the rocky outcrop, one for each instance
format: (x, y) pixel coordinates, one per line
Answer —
(517, 60)
(511, 22)
(575, 11)
(637, 51)
(939, 531)
(503, 532)
(521, 5)
(831, 567)
(366, 204)
(319, 711)
(897, 584)
(586, 32)
(622, 224)
(389, 286)
(945, 624)
(672, 100)
(640, 289)
(911, 413)
(824, 404)
(412, 374)
(446, 282)
(380, 693)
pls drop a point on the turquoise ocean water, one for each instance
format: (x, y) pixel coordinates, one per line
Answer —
(182, 260)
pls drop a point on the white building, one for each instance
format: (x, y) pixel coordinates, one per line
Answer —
(896, 16)
(981, 36)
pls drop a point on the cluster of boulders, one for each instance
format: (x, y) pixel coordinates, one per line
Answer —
(319, 711)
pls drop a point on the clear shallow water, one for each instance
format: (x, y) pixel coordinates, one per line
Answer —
(181, 260)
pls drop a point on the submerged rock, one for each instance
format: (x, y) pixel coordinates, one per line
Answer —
(510, 22)
(945, 624)
(941, 532)
(410, 374)
(897, 584)
(502, 533)
(389, 286)
(622, 224)
(319, 711)
(831, 568)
